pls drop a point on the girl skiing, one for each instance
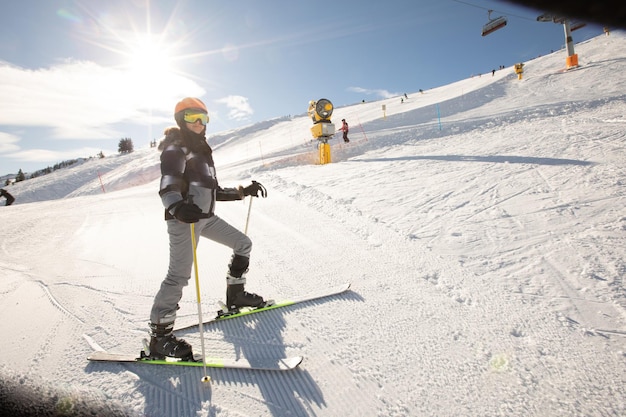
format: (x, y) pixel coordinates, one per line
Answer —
(189, 190)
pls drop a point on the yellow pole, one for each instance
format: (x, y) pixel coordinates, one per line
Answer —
(206, 378)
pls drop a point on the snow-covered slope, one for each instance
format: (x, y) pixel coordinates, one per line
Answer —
(486, 251)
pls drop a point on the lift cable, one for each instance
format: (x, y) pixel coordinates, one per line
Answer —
(494, 10)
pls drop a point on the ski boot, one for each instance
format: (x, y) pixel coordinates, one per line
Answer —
(236, 296)
(164, 344)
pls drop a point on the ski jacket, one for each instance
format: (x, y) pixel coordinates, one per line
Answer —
(190, 171)
(344, 127)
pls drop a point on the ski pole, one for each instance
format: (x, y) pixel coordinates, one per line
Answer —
(206, 378)
(259, 189)
(245, 231)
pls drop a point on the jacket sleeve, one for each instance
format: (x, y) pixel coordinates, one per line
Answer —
(229, 194)
(173, 185)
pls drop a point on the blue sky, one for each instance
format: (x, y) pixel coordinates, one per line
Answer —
(77, 76)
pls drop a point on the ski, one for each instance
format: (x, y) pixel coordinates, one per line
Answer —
(284, 303)
(282, 364)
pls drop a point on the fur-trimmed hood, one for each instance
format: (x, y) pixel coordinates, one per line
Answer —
(173, 136)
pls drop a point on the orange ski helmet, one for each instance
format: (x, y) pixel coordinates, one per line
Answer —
(190, 103)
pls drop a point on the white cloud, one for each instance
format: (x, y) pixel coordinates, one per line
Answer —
(80, 99)
(239, 108)
(8, 142)
(376, 92)
(45, 155)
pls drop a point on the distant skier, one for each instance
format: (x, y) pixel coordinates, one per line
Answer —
(345, 129)
(187, 170)
(9, 198)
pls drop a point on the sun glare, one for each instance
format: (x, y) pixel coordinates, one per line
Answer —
(145, 75)
(148, 55)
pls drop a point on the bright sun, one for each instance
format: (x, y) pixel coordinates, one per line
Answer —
(146, 62)
(148, 72)
(149, 55)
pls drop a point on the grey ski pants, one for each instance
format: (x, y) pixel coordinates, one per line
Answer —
(181, 260)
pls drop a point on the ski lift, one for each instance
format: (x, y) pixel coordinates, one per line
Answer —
(546, 17)
(493, 24)
(577, 25)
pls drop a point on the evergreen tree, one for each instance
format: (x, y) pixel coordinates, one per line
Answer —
(125, 145)
(20, 176)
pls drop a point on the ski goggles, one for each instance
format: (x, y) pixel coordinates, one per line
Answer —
(193, 116)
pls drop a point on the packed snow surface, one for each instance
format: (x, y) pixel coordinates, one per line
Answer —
(481, 224)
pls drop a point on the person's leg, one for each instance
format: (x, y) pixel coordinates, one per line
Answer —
(220, 231)
(178, 274)
(163, 314)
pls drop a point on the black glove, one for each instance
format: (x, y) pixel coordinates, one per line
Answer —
(254, 189)
(187, 212)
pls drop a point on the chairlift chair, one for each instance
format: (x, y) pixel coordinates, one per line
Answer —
(546, 17)
(493, 24)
